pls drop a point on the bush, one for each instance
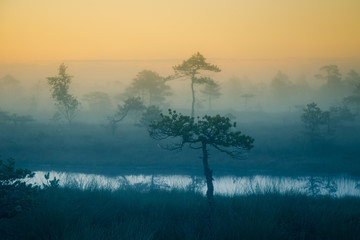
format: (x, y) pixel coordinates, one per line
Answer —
(15, 194)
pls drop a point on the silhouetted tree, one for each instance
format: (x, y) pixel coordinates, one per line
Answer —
(215, 131)
(192, 69)
(212, 91)
(15, 194)
(67, 104)
(131, 105)
(150, 87)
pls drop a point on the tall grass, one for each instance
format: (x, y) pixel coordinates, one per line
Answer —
(70, 213)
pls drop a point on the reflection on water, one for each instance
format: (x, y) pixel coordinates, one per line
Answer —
(227, 185)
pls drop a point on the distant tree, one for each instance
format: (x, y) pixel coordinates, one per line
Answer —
(281, 85)
(9, 84)
(216, 131)
(21, 119)
(98, 101)
(212, 91)
(67, 104)
(332, 75)
(354, 99)
(131, 105)
(192, 68)
(4, 117)
(313, 117)
(150, 87)
(246, 98)
(352, 78)
(334, 86)
(10, 91)
(15, 194)
(16, 119)
(339, 114)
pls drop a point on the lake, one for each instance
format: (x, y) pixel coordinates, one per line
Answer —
(337, 186)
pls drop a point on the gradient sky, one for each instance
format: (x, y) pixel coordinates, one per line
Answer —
(41, 30)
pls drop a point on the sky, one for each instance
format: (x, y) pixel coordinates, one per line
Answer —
(70, 30)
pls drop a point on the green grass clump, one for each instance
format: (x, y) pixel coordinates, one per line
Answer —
(69, 213)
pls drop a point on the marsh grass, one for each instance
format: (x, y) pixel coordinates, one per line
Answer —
(72, 213)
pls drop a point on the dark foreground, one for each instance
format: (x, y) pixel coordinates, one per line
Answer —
(68, 213)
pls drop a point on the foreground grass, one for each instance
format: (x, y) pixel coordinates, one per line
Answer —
(67, 213)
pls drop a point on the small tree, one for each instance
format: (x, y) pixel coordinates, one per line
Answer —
(313, 117)
(131, 105)
(67, 104)
(192, 69)
(216, 131)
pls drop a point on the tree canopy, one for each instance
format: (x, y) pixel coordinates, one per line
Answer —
(313, 117)
(150, 87)
(216, 131)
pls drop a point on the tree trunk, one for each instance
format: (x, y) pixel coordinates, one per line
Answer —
(193, 97)
(210, 189)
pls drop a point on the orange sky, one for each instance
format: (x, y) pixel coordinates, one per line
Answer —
(41, 30)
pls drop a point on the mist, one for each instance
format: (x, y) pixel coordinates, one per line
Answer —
(275, 131)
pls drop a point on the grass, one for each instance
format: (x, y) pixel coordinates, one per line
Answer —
(70, 213)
